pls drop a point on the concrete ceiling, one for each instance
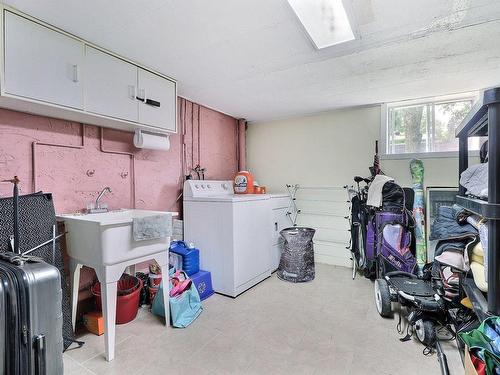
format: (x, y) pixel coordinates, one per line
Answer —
(252, 59)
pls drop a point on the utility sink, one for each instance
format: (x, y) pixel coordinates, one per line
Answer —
(104, 242)
(106, 238)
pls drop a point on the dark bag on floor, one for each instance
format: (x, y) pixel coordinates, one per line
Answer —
(31, 340)
(36, 220)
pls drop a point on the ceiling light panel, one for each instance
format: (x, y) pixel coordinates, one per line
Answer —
(325, 21)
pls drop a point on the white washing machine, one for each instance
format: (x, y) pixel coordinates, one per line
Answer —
(232, 231)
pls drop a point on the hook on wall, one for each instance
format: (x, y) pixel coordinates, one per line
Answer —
(124, 174)
(90, 172)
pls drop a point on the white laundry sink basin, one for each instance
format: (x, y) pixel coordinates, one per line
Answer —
(106, 238)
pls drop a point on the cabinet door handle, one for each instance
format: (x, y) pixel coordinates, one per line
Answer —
(276, 227)
(76, 73)
(151, 102)
(143, 93)
(132, 92)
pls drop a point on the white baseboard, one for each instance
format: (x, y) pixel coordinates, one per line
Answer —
(332, 260)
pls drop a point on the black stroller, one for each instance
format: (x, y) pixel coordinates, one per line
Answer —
(426, 309)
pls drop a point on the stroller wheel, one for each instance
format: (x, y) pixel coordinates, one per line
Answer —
(426, 332)
(383, 298)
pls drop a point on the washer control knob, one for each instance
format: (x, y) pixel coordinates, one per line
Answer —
(196, 187)
(224, 186)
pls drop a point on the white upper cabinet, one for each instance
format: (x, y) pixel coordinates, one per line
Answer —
(42, 64)
(49, 72)
(157, 100)
(110, 85)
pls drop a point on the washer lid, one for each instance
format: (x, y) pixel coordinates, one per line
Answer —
(234, 198)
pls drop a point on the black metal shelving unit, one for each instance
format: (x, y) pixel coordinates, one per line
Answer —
(484, 120)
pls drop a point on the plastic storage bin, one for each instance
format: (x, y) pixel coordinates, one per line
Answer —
(190, 256)
(203, 282)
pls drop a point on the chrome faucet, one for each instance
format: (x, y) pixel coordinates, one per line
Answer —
(98, 208)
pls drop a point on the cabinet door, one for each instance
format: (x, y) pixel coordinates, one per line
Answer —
(41, 63)
(110, 85)
(280, 222)
(158, 108)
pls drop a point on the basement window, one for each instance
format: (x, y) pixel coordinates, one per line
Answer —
(425, 127)
(325, 21)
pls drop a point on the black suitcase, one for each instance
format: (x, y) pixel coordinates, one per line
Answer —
(36, 217)
(30, 317)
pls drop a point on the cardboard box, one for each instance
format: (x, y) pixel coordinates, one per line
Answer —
(469, 366)
(94, 322)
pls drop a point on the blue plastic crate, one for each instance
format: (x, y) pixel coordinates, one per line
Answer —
(203, 282)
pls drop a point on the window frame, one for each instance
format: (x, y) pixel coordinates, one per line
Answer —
(384, 126)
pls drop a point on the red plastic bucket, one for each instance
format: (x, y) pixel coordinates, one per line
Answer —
(127, 301)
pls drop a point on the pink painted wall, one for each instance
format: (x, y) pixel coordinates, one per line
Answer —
(104, 157)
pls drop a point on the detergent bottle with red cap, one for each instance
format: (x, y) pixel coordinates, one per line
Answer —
(243, 183)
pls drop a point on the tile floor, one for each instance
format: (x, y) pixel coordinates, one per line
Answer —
(328, 326)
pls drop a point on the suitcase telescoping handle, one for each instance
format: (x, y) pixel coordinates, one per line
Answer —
(15, 206)
(40, 355)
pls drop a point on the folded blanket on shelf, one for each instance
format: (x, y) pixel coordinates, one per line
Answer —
(445, 226)
(478, 275)
(455, 252)
(478, 251)
(475, 180)
(477, 258)
(453, 257)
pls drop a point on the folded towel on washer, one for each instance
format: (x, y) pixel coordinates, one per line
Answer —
(375, 190)
(152, 227)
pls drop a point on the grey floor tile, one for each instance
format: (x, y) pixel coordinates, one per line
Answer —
(328, 326)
